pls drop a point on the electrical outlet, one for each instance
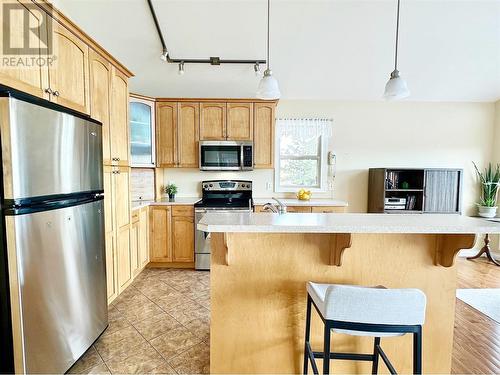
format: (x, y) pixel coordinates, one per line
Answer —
(269, 186)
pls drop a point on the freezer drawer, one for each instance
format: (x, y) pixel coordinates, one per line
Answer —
(46, 152)
(62, 284)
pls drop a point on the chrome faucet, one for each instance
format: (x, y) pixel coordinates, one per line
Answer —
(278, 209)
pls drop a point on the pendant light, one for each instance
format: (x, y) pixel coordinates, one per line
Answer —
(396, 87)
(268, 86)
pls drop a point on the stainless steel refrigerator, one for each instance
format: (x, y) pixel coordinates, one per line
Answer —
(52, 258)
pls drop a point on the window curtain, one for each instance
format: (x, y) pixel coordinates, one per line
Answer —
(305, 128)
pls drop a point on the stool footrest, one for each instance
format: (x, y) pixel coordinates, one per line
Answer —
(347, 356)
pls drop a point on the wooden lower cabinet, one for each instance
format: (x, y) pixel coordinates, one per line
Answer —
(160, 233)
(183, 239)
(172, 235)
(143, 240)
(123, 250)
(139, 247)
(111, 267)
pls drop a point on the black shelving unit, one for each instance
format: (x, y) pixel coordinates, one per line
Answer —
(415, 191)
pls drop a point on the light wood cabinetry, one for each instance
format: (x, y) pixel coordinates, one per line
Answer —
(328, 209)
(172, 234)
(160, 233)
(177, 132)
(212, 121)
(239, 121)
(69, 75)
(181, 124)
(123, 250)
(307, 209)
(143, 251)
(32, 80)
(100, 87)
(139, 255)
(188, 127)
(166, 130)
(119, 119)
(263, 134)
(117, 229)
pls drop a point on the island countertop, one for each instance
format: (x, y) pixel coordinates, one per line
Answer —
(344, 223)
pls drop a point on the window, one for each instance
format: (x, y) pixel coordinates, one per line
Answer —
(301, 155)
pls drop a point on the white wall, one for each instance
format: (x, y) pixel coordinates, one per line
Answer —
(380, 134)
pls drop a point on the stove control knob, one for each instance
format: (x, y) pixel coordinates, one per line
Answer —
(205, 186)
(211, 185)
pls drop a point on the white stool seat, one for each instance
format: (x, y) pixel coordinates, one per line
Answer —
(367, 305)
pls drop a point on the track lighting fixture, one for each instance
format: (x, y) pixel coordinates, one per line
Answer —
(212, 60)
(164, 55)
(181, 68)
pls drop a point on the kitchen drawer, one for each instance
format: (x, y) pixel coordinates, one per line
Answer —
(328, 209)
(298, 209)
(183, 211)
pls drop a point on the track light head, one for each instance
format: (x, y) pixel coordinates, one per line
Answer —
(164, 55)
(256, 69)
(181, 68)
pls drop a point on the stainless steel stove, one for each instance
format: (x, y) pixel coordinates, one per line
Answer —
(227, 196)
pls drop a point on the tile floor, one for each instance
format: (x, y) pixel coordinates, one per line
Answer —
(159, 325)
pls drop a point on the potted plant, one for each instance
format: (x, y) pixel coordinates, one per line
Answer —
(171, 190)
(489, 180)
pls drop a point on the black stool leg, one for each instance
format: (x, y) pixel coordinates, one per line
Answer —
(326, 349)
(308, 329)
(417, 351)
(376, 343)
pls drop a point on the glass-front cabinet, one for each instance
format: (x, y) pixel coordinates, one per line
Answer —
(142, 132)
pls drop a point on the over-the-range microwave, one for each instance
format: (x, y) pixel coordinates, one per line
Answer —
(226, 156)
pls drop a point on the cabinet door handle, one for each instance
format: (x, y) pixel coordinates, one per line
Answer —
(56, 93)
(48, 90)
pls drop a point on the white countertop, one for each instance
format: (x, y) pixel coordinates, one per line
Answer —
(297, 202)
(345, 223)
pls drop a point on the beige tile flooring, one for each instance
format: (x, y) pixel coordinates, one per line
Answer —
(159, 325)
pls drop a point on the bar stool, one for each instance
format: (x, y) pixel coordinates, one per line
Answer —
(363, 311)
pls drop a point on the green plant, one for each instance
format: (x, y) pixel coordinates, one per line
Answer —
(170, 189)
(490, 180)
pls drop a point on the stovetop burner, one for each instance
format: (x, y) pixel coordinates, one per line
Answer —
(225, 194)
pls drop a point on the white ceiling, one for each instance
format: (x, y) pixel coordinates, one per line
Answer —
(337, 49)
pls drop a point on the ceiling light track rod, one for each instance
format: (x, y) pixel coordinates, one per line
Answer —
(211, 60)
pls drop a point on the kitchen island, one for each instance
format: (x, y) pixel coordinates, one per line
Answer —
(261, 263)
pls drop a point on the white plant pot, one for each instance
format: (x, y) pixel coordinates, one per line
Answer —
(488, 212)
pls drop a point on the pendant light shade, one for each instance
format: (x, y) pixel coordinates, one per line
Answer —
(268, 86)
(396, 87)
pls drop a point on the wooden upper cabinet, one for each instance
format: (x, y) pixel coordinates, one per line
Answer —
(212, 121)
(33, 80)
(188, 126)
(183, 238)
(166, 130)
(263, 137)
(239, 121)
(119, 126)
(69, 75)
(160, 234)
(100, 87)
